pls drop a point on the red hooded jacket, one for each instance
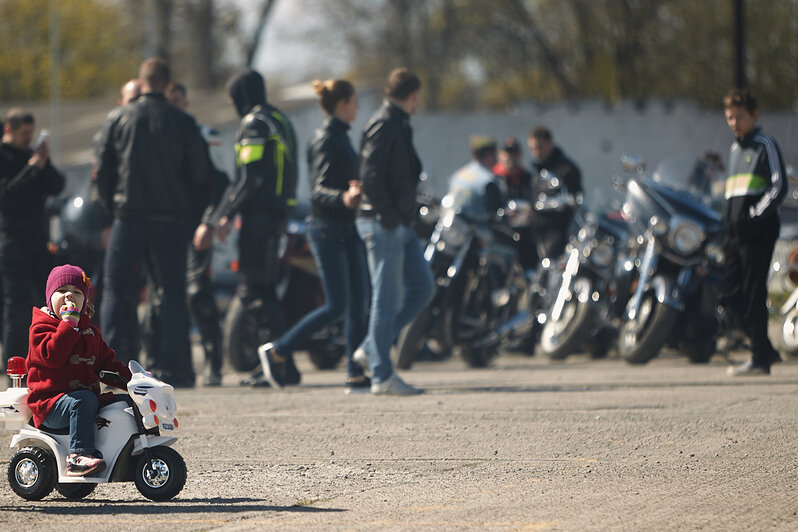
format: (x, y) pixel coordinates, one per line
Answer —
(62, 360)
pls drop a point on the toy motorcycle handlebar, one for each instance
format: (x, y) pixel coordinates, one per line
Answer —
(112, 377)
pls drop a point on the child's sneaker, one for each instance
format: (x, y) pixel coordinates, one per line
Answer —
(79, 465)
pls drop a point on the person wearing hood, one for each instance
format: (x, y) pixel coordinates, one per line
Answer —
(262, 192)
(150, 156)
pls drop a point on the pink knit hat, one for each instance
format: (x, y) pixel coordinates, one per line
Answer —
(64, 275)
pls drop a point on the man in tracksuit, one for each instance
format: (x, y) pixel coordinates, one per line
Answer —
(755, 188)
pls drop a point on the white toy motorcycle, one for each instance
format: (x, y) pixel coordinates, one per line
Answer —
(133, 434)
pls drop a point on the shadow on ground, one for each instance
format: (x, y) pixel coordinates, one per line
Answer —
(178, 506)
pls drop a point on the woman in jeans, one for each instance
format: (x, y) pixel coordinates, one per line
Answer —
(334, 242)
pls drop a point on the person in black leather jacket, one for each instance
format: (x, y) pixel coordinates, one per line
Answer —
(263, 192)
(27, 178)
(150, 154)
(334, 242)
(401, 280)
(551, 228)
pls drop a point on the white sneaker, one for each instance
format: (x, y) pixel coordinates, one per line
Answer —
(361, 358)
(270, 372)
(394, 386)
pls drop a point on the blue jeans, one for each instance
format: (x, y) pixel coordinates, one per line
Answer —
(77, 411)
(341, 260)
(401, 286)
(163, 243)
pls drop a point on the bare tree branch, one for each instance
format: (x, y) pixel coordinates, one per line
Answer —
(263, 17)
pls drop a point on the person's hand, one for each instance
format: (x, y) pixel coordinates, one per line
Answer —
(203, 237)
(352, 196)
(69, 313)
(223, 229)
(40, 156)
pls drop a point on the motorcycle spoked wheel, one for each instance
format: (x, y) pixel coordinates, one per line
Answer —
(642, 339)
(324, 354)
(477, 315)
(242, 333)
(789, 333)
(565, 336)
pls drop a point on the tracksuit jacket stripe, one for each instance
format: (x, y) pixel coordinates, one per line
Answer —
(775, 175)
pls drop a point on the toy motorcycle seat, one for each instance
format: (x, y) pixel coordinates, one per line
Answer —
(45, 428)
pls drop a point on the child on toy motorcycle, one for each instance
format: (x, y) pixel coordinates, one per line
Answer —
(65, 356)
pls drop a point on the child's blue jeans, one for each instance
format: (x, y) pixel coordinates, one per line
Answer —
(76, 410)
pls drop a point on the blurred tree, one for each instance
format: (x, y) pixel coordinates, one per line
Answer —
(504, 51)
(96, 53)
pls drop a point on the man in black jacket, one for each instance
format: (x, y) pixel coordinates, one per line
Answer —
(755, 188)
(27, 178)
(263, 191)
(551, 227)
(150, 154)
(401, 281)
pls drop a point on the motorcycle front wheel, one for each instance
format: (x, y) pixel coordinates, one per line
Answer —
(162, 478)
(565, 335)
(241, 336)
(642, 339)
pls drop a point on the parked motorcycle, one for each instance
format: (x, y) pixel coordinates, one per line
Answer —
(299, 291)
(677, 258)
(476, 269)
(584, 312)
(521, 330)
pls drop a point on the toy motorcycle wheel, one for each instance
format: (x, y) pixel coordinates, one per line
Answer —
(75, 492)
(31, 473)
(164, 477)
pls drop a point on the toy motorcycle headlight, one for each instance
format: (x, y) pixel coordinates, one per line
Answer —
(686, 236)
(601, 255)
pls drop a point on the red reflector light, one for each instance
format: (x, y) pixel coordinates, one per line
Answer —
(175, 422)
(153, 406)
(157, 421)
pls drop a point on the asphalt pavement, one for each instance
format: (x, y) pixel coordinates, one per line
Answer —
(523, 445)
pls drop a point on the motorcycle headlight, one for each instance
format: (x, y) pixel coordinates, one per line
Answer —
(601, 255)
(715, 253)
(686, 236)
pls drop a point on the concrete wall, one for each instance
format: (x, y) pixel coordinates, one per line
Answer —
(592, 133)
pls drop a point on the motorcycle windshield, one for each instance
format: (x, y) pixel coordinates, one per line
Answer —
(686, 203)
(698, 178)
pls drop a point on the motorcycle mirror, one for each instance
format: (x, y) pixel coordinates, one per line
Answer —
(633, 163)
